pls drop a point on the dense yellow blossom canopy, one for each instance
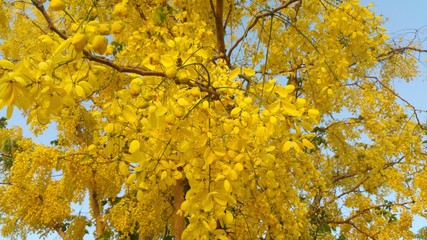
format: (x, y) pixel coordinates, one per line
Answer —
(220, 119)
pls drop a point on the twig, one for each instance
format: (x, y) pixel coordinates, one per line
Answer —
(254, 21)
(400, 51)
(363, 211)
(40, 7)
(401, 98)
(337, 178)
(121, 69)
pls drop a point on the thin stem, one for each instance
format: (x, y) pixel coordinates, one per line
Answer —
(254, 21)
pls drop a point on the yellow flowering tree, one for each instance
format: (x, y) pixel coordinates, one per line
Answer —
(214, 119)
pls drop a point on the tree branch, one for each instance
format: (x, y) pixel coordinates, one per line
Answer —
(107, 62)
(337, 178)
(219, 25)
(363, 211)
(40, 7)
(58, 229)
(179, 220)
(361, 231)
(401, 98)
(254, 21)
(360, 212)
(96, 211)
(400, 50)
(89, 55)
(121, 69)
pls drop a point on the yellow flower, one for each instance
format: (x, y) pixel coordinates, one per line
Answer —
(99, 44)
(57, 5)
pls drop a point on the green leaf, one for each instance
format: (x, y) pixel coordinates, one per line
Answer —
(105, 236)
(342, 237)
(3, 122)
(117, 47)
(324, 228)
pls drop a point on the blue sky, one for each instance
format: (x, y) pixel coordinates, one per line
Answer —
(403, 17)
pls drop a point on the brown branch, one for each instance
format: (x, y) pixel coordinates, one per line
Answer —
(58, 229)
(316, 203)
(361, 231)
(337, 178)
(96, 211)
(393, 52)
(179, 220)
(219, 25)
(210, 90)
(141, 13)
(90, 56)
(297, 7)
(401, 98)
(34, 23)
(350, 190)
(400, 50)
(105, 61)
(121, 69)
(227, 18)
(10, 155)
(254, 21)
(363, 211)
(40, 7)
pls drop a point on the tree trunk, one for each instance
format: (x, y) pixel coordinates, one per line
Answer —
(96, 211)
(179, 221)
